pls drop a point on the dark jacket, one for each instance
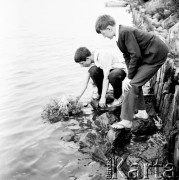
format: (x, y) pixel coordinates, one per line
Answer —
(139, 47)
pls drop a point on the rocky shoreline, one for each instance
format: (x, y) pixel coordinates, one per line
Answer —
(98, 149)
(101, 152)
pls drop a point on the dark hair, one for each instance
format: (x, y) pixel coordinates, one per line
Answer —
(81, 54)
(103, 22)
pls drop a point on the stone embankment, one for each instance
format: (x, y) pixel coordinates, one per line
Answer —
(161, 17)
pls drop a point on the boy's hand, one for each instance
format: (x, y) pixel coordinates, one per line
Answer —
(126, 84)
(102, 102)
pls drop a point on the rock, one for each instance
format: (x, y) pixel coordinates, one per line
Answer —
(111, 135)
(142, 151)
(123, 137)
(164, 34)
(149, 11)
(74, 127)
(153, 6)
(148, 16)
(167, 13)
(159, 28)
(102, 121)
(143, 126)
(177, 46)
(176, 71)
(157, 16)
(147, 24)
(142, 10)
(64, 134)
(155, 23)
(93, 140)
(98, 155)
(87, 140)
(169, 22)
(161, 20)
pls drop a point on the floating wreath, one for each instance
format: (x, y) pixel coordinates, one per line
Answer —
(59, 109)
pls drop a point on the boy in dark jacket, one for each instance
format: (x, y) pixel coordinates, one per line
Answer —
(144, 54)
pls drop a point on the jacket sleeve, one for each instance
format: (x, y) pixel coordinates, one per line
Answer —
(134, 52)
(127, 59)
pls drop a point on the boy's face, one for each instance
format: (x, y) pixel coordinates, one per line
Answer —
(108, 32)
(86, 63)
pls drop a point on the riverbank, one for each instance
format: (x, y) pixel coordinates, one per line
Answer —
(99, 148)
(104, 147)
(95, 150)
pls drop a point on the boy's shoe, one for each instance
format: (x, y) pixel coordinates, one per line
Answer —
(141, 115)
(96, 96)
(116, 102)
(122, 124)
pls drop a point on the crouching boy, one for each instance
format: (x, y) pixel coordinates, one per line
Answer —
(104, 68)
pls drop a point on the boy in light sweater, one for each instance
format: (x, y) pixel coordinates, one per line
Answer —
(104, 68)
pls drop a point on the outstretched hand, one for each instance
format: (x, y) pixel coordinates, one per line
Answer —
(126, 84)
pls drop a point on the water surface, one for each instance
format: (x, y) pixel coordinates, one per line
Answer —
(38, 39)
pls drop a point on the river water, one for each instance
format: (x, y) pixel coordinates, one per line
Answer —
(38, 39)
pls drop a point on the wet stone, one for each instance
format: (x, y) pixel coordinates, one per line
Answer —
(123, 137)
(87, 140)
(64, 134)
(143, 126)
(102, 122)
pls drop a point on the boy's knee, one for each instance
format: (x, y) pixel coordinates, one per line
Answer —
(113, 76)
(94, 70)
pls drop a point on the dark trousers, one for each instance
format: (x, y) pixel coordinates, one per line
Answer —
(116, 76)
(133, 98)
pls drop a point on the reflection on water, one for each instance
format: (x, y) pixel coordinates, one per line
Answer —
(38, 39)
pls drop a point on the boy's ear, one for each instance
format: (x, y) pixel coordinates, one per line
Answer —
(109, 27)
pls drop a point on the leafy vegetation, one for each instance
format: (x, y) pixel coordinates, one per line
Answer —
(60, 109)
